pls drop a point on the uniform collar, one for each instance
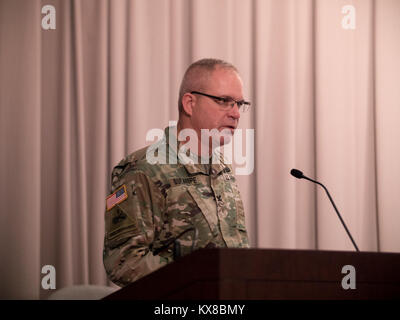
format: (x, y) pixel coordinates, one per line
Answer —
(193, 168)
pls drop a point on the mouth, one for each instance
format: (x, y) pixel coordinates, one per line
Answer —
(232, 128)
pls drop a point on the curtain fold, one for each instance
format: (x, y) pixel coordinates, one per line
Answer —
(20, 174)
(387, 111)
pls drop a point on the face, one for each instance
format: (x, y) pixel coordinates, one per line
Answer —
(208, 114)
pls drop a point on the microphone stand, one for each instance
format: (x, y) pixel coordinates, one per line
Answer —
(337, 211)
(299, 175)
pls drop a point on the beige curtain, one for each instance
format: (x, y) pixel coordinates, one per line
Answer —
(76, 99)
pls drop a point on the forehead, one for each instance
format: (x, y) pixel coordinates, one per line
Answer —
(223, 81)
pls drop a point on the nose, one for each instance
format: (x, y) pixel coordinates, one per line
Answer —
(234, 112)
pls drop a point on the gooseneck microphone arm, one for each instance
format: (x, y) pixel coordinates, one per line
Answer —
(299, 175)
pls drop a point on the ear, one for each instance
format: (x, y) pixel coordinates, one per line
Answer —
(188, 102)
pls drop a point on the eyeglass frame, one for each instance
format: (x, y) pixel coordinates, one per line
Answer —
(239, 103)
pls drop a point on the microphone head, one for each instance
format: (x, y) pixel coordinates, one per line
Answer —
(296, 173)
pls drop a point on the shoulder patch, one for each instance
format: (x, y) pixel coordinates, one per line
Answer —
(117, 197)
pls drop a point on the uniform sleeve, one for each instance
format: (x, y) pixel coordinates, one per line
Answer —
(130, 229)
(241, 225)
(240, 216)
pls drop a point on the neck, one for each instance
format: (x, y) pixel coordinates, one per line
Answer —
(193, 141)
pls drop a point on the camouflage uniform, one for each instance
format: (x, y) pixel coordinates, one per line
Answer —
(162, 201)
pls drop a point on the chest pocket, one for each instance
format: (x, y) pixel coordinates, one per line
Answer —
(191, 206)
(204, 199)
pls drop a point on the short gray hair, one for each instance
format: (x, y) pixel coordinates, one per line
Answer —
(193, 78)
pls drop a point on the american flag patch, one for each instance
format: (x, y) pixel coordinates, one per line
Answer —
(117, 197)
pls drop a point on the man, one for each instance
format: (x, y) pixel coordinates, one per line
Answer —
(187, 202)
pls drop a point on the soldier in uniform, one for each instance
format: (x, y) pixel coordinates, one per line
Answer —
(184, 202)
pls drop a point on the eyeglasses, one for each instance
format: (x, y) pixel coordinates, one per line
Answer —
(227, 102)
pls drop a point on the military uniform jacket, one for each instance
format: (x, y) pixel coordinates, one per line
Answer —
(150, 204)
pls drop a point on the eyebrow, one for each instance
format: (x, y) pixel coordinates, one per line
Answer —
(227, 96)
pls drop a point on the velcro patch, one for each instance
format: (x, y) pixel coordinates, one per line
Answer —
(187, 180)
(117, 197)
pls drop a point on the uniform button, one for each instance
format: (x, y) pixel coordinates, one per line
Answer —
(213, 171)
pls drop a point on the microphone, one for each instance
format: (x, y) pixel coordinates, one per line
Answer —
(299, 175)
(296, 173)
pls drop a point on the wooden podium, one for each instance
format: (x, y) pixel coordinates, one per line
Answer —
(254, 274)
